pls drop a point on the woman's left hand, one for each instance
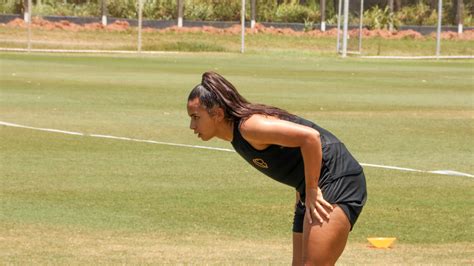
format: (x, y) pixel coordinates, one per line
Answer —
(317, 208)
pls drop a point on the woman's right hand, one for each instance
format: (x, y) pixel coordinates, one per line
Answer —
(317, 208)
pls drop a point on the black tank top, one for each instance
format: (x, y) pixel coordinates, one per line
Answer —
(285, 164)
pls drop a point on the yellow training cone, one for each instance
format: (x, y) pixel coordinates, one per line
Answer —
(381, 242)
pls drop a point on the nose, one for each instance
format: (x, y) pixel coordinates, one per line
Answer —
(192, 125)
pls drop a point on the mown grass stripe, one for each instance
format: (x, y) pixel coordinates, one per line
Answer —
(439, 172)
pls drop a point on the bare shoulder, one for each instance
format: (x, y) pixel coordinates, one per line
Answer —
(260, 123)
(256, 123)
(261, 131)
(253, 129)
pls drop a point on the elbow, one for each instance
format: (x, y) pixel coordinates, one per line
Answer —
(313, 138)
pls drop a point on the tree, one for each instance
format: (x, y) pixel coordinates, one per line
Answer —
(459, 14)
(397, 5)
(434, 4)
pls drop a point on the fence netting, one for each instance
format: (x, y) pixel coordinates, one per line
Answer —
(382, 27)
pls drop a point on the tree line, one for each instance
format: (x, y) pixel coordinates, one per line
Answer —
(409, 11)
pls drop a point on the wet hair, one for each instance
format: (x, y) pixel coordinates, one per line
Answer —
(215, 91)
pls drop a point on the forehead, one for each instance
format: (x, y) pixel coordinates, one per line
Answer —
(194, 106)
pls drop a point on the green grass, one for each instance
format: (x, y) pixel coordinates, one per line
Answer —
(210, 42)
(81, 199)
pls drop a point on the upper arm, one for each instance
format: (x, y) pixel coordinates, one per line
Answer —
(262, 130)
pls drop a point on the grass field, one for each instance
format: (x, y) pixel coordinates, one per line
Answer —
(69, 199)
(209, 42)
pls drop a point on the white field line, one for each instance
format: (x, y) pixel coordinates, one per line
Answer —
(112, 137)
(85, 51)
(420, 57)
(439, 172)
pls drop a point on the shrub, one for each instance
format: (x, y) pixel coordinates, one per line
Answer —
(86, 10)
(227, 10)
(266, 10)
(296, 13)
(52, 8)
(308, 25)
(122, 8)
(377, 18)
(468, 20)
(194, 10)
(468, 14)
(162, 10)
(414, 15)
(11, 7)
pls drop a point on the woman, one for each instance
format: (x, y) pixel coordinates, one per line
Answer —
(329, 182)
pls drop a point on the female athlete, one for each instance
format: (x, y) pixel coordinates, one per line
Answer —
(330, 184)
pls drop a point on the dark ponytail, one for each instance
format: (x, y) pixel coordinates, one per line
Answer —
(216, 91)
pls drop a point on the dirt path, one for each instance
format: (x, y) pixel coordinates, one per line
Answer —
(259, 28)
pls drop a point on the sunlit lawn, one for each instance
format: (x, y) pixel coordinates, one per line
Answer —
(79, 199)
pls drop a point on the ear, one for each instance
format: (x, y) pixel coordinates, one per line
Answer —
(218, 114)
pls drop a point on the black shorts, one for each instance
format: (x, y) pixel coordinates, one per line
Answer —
(348, 192)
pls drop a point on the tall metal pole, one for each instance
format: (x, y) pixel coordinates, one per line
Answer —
(180, 13)
(361, 21)
(25, 14)
(460, 15)
(322, 5)
(338, 45)
(438, 33)
(140, 7)
(242, 20)
(344, 34)
(104, 12)
(29, 25)
(252, 13)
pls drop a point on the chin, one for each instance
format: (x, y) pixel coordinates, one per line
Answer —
(205, 138)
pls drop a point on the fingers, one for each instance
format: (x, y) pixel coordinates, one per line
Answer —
(322, 201)
(318, 212)
(325, 208)
(308, 215)
(317, 215)
(318, 208)
(322, 211)
(312, 214)
(326, 205)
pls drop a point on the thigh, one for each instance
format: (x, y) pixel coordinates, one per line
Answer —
(323, 244)
(297, 249)
(349, 192)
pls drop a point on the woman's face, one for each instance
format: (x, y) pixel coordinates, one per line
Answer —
(202, 123)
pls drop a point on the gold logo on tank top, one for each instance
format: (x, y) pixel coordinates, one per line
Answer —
(260, 163)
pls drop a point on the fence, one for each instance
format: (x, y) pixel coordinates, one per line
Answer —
(83, 32)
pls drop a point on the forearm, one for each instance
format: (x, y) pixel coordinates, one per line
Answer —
(312, 157)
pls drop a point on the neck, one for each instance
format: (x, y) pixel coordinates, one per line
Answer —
(226, 132)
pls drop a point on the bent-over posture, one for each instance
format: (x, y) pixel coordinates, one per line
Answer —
(329, 182)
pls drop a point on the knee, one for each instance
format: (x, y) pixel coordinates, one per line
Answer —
(317, 260)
